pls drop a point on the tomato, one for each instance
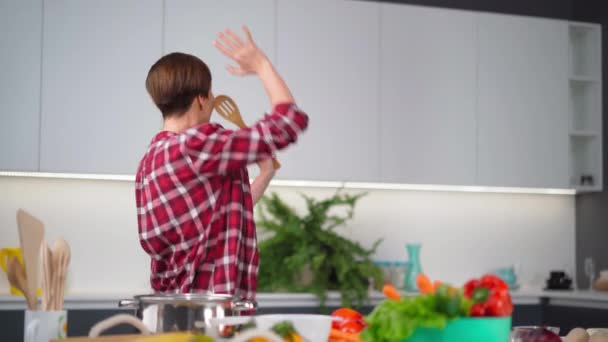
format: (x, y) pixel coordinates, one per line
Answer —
(348, 314)
(351, 321)
(353, 327)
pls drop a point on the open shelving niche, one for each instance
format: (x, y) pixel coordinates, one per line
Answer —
(585, 91)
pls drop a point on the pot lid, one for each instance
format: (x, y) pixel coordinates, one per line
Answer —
(198, 297)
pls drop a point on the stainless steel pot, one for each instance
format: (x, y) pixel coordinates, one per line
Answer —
(187, 311)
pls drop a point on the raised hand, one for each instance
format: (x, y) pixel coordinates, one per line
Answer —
(249, 58)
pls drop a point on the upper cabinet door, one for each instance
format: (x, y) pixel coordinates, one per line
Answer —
(96, 114)
(21, 45)
(328, 53)
(522, 101)
(427, 95)
(192, 25)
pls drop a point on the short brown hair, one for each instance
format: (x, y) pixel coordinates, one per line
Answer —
(175, 80)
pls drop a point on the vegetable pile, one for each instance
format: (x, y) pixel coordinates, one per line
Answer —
(397, 318)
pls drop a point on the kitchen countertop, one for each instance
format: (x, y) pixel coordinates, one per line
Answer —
(100, 301)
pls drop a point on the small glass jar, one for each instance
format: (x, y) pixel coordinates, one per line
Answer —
(387, 270)
(399, 271)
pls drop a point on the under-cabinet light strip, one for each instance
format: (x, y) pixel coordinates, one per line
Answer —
(459, 188)
(87, 176)
(320, 184)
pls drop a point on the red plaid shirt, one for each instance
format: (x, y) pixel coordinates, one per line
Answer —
(195, 211)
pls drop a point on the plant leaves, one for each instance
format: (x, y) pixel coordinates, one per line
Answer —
(308, 242)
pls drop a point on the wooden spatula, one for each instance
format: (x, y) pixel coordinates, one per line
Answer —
(31, 233)
(227, 108)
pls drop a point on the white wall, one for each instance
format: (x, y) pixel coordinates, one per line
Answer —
(463, 234)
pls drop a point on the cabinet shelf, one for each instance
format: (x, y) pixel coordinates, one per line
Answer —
(585, 53)
(585, 104)
(583, 79)
(583, 26)
(583, 134)
(582, 189)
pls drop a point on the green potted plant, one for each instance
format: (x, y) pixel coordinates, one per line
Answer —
(305, 254)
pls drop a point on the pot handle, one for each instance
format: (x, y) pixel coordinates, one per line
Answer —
(243, 305)
(113, 321)
(127, 303)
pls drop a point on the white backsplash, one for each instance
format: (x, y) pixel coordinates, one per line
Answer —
(462, 234)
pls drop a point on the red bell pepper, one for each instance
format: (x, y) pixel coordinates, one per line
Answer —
(490, 296)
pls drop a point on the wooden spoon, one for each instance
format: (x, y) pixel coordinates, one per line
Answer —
(227, 108)
(67, 257)
(47, 274)
(17, 278)
(61, 259)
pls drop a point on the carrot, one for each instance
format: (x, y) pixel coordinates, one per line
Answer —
(338, 335)
(436, 284)
(424, 284)
(391, 292)
(293, 338)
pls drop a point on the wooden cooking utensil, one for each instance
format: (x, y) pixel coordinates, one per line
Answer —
(227, 108)
(17, 278)
(47, 274)
(31, 233)
(61, 260)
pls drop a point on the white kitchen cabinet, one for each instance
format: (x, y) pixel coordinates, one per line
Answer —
(395, 93)
(522, 102)
(427, 95)
(328, 53)
(20, 43)
(192, 25)
(96, 114)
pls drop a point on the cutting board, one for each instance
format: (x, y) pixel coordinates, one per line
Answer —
(31, 233)
(183, 336)
(114, 338)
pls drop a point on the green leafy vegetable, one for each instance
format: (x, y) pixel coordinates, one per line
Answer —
(397, 320)
(284, 329)
(452, 302)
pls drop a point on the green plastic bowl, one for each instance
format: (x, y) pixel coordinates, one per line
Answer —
(486, 329)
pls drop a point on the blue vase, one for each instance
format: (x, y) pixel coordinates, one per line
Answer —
(414, 267)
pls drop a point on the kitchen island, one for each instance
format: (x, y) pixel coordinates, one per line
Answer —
(108, 301)
(565, 309)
